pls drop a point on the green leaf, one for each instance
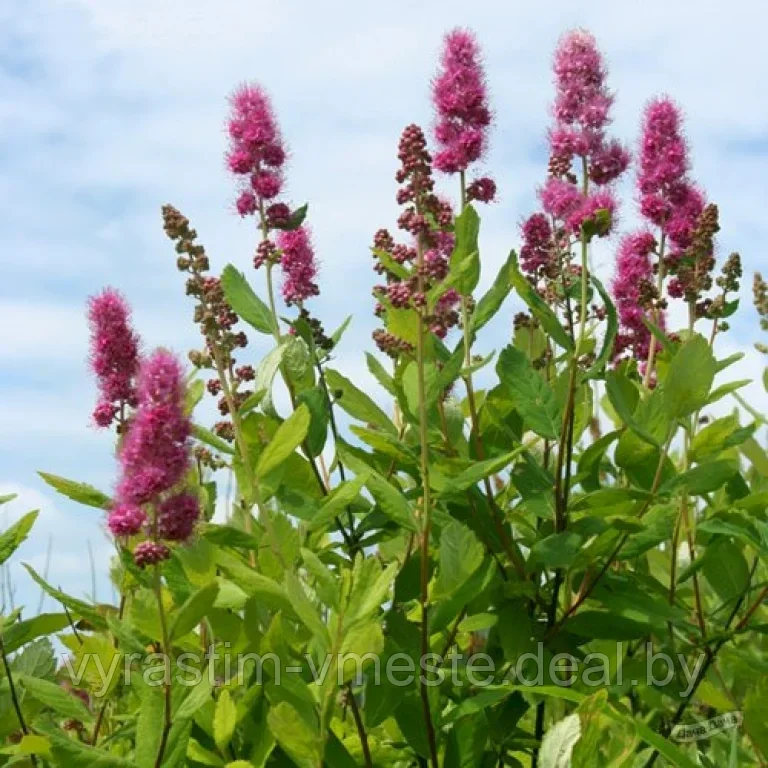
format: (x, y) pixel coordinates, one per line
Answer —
(300, 741)
(492, 300)
(224, 720)
(214, 441)
(82, 493)
(705, 478)
(194, 609)
(304, 608)
(241, 297)
(475, 473)
(717, 436)
(604, 625)
(612, 328)
(391, 502)
(540, 309)
(461, 554)
(689, 378)
(52, 695)
(725, 569)
(11, 539)
(465, 259)
(317, 403)
(84, 610)
(623, 397)
(20, 633)
(295, 220)
(380, 374)
(555, 551)
(289, 436)
(32, 744)
(196, 697)
(559, 741)
(339, 499)
(254, 584)
(74, 754)
(533, 397)
(355, 402)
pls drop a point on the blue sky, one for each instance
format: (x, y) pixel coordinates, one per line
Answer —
(110, 109)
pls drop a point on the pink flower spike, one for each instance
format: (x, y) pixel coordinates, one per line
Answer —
(256, 149)
(633, 270)
(114, 353)
(154, 455)
(298, 265)
(461, 104)
(177, 517)
(559, 198)
(126, 520)
(150, 553)
(582, 98)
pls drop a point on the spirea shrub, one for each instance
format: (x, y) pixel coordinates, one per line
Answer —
(545, 548)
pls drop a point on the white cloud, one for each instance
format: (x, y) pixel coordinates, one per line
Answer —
(108, 110)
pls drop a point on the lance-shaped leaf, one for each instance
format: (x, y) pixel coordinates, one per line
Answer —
(355, 402)
(689, 378)
(537, 305)
(79, 492)
(611, 329)
(245, 302)
(492, 300)
(465, 259)
(533, 397)
(12, 539)
(289, 436)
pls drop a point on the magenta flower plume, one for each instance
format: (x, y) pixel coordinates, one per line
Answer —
(126, 519)
(298, 265)
(114, 354)
(668, 198)
(582, 109)
(537, 254)
(177, 517)
(256, 152)
(154, 456)
(461, 103)
(631, 285)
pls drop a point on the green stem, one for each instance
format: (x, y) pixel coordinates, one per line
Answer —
(427, 509)
(14, 696)
(657, 314)
(166, 650)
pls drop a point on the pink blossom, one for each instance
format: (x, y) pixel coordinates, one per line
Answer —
(560, 198)
(154, 455)
(602, 200)
(668, 198)
(177, 516)
(114, 353)
(298, 265)
(126, 519)
(608, 162)
(150, 553)
(256, 147)
(536, 253)
(582, 96)
(461, 103)
(633, 270)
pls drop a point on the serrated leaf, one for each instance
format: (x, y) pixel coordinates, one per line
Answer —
(534, 399)
(194, 609)
(243, 300)
(300, 741)
(465, 259)
(491, 302)
(82, 493)
(689, 378)
(355, 402)
(289, 436)
(12, 538)
(538, 306)
(52, 695)
(224, 720)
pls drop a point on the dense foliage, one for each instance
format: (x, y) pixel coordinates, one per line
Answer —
(550, 554)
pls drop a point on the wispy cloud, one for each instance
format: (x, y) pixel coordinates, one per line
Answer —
(108, 110)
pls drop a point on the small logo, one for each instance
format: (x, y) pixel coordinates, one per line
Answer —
(705, 728)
